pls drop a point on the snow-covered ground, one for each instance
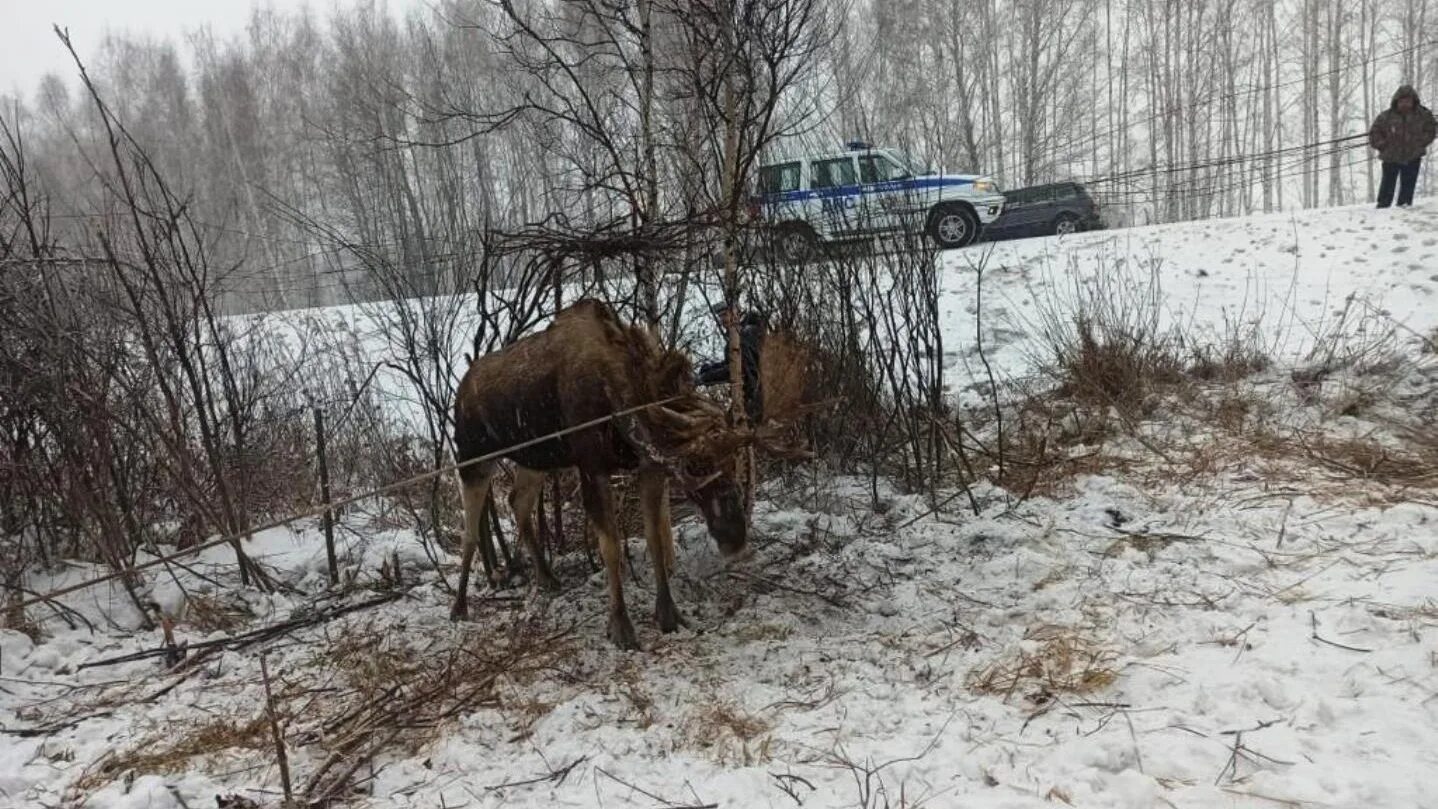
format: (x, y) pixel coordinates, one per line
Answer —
(1287, 278)
(1201, 619)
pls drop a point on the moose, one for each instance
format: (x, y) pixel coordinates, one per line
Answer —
(588, 366)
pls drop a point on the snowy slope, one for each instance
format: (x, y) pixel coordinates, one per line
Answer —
(1291, 278)
(1288, 276)
(1250, 633)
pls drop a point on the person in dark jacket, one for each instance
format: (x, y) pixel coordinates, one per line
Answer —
(1401, 134)
(751, 342)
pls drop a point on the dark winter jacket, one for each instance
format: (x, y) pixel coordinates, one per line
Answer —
(1403, 137)
(751, 340)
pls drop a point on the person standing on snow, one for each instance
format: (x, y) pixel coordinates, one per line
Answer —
(1401, 134)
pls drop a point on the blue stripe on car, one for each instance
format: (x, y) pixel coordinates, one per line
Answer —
(858, 189)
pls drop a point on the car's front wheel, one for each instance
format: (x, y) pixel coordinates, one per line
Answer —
(1066, 224)
(953, 226)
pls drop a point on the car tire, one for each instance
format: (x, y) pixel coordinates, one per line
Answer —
(795, 244)
(1066, 224)
(953, 226)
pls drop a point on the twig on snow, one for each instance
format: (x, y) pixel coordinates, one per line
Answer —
(1240, 749)
(650, 795)
(789, 784)
(254, 636)
(1313, 620)
(765, 581)
(281, 757)
(557, 776)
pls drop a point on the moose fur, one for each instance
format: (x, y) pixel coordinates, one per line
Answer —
(589, 365)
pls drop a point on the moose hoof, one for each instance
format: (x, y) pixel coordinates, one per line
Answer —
(668, 616)
(621, 633)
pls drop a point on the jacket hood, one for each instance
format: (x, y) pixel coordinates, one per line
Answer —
(1408, 91)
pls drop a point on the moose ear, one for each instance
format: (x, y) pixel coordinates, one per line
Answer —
(671, 371)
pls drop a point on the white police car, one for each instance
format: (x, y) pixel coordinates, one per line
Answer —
(864, 191)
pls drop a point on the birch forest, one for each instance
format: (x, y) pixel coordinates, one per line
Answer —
(403, 134)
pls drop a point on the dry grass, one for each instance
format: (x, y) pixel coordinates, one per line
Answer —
(1368, 459)
(629, 684)
(1048, 443)
(1054, 660)
(1147, 544)
(401, 692)
(1429, 342)
(206, 613)
(1236, 359)
(12, 617)
(759, 632)
(1234, 412)
(1353, 402)
(173, 750)
(1113, 366)
(382, 690)
(729, 734)
(1106, 340)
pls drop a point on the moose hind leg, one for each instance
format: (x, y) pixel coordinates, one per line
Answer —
(654, 502)
(474, 490)
(528, 484)
(599, 503)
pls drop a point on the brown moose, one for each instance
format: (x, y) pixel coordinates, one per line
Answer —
(588, 365)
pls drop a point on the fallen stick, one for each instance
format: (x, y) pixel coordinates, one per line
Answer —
(1313, 620)
(754, 578)
(557, 776)
(242, 640)
(46, 730)
(650, 795)
(277, 735)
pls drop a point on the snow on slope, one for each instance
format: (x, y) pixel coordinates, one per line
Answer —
(1256, 636)
(1286, 275)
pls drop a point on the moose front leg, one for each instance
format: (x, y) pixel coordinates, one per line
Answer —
(599, 504)
(654, 501)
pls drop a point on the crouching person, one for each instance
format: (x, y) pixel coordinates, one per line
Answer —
(751, 342)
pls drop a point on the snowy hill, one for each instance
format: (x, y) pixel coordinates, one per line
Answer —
(1233, 605)
(1289, 277)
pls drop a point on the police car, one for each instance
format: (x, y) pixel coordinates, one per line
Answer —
(865, 191)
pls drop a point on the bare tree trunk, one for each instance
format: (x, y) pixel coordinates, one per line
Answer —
(1368, 34)
(648, 275)
(1336, 15)
(1268, 74)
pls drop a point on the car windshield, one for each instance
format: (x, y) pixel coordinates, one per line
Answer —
(915, 166)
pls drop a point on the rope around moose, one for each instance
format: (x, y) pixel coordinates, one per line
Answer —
(333, 505)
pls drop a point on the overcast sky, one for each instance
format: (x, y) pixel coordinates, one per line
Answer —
(29, 49)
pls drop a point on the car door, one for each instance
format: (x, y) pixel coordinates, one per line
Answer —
(835, 184)
(1066, 201)
(1006, 226)
(884, 194)
(1023, 218)
(779, 191)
